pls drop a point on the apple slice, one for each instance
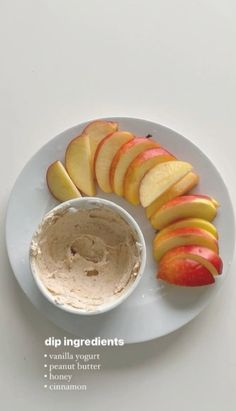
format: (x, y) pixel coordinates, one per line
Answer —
(197, 206)
(139, 167)
(104, 155)
(184, 272)
(97, 130)
(181, 187)
(183, 236)
(160, 178)
(78, 164)
(212, 199)
(202, 255)
(60, 184)
(124, 158)
(192, 222)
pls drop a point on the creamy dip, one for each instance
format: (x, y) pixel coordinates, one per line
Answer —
(85, 257)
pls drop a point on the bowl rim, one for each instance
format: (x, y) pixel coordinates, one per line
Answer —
(135, 228)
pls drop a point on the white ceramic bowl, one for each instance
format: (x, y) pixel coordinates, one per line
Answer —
(87, 203)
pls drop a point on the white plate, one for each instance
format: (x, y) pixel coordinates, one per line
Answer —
(154, 309)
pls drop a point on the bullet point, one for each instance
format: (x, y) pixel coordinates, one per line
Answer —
(45, 355)
(45, 365)
(45, 376)
(45, 386)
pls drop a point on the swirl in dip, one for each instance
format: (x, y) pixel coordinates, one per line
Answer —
(85, 257)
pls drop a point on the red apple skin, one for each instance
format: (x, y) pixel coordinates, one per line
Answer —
(186, 199)
(183, 186)
(98, 121)
(188, 234)
(67, 167)
(187, 222)
(139, 167)
(194, 250)
(124, 149)
(184, 272)
(212, 199)
(188, 206)
(149, 153)
(98, 148)
(103, 127)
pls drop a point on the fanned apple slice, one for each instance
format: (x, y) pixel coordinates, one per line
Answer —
(124, 158)
(60, 184)
(97, 130)
(185, 272)
(181, 187)
(202, 255)
(183, 236)
(212, 199)
(192, 222)
(104, 155)
(194, 205)
(79, 164)
(160, 178)
(139, 167)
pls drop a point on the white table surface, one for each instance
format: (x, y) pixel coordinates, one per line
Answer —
(173, 62)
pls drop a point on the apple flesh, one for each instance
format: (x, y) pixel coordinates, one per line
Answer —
(192, 222)
(160, 178)
(123, 158)
(183, 236)
(195, 206)
(139, 167)
(202, 255)
(79, 165)
(104, 155)
(184, 272)
(60, 184)
(181, 187)
(97, 130)
(212, 199)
